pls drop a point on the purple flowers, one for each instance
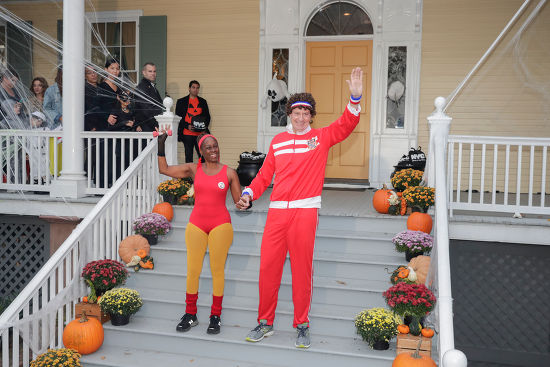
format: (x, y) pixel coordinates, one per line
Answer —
(151, 223)
(413, 241)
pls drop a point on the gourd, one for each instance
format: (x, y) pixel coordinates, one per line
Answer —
(403, 329)
(419, 222)
(130, 246)
(414, 326)
(421, 266)
(380, 200)
(85, 335)
(165, 209)
(427, 332)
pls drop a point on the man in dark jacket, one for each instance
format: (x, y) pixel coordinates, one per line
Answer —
(146, 109)
(187, 108)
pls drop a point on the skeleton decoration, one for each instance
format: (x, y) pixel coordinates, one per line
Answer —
(276, 91)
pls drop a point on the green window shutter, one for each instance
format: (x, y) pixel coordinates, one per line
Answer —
(19, 53)
(60, 39)
(152, 47)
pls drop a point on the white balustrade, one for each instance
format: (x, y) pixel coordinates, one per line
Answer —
(498, 174)
(38, 315)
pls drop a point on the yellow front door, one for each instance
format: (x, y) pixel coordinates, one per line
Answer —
(328, 66)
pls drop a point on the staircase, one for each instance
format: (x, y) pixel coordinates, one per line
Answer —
(351, 255)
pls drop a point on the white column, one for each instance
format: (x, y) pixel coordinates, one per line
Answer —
(439, 124)
(169, 119)
(72, 182)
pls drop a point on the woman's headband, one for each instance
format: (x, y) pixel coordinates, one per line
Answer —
(300, 103)
(204, 137)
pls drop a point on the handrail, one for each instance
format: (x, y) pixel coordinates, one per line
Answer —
(132, 192)
(440, 267)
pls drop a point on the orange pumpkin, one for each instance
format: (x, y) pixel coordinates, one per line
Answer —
(415, 359)
(130, 246)
(403, 329)
(403, 273)
(85, 299)
(380, 200)
(165, 209)
(85, 335)
(419, 222)
(427, 332)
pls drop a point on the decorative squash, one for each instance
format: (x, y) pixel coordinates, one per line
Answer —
(141, 253)
(403, 329)
(421, 266)
(130, 246)
(420, 222)
(85, 335)
(380, 200)
(403, 273)
(85, 299)
(427, 332)
(165, 209)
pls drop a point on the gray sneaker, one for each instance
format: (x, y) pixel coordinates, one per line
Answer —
(258, 333)
(302, 340)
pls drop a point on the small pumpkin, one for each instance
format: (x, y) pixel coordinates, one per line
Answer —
(403, 329)
(419, 222)
(165, 209)
(141, 253)
(427, 332)
(85, 335)
(403, 273)
(85, 299)
(380, 200)
(130, 246)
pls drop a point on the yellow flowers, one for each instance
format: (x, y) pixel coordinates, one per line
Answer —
(406, 178)
(122, 301)
(176, 187)
(376, 324)
(420, 196)
(57, 358)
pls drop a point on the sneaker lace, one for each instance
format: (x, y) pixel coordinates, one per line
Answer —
(302, 331)
(259, 327)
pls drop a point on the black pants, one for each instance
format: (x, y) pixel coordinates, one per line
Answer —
(190, 141)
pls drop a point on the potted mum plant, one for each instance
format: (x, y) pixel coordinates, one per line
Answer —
(120, 304)
(406, 178)
(413, 243)
(414, 300)
(177, 191)
(102, 275)
(150, 226)
(377, 326)
(57, 358)
(419, 197)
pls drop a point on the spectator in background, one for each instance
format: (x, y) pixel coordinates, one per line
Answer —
(53, 100)
(38, 89)
(91, 108)
(147, 108)
(11, 107)
(189, 107)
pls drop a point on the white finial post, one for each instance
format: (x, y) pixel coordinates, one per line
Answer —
(439, 124)
(455, 358)
(169, 119)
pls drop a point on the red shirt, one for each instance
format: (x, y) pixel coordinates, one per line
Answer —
(193, 109)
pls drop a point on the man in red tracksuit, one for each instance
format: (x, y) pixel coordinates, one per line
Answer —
(297, 158)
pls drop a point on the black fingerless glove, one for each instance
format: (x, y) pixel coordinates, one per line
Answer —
(160, 145)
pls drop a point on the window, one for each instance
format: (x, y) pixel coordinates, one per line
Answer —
(120, 40)
(339, 18)
(395, 98)
(3, 59)
(280, 69)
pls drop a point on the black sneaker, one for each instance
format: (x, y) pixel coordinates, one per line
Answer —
(187, 321)
(214, 327)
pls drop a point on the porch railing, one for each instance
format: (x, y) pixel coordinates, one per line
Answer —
(498, 174)
(30, 160)
(35, 319)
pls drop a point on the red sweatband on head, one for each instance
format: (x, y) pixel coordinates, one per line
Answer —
(204, 137)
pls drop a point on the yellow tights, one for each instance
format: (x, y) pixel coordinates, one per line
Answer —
(218, 242)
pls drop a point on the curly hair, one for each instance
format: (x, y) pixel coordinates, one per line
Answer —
(303, 97)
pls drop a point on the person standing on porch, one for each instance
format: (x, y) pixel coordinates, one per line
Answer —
(297, 158)
(189, 108)
(209, 224)
(147, 109)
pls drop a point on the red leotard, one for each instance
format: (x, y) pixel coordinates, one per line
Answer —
(210, 193)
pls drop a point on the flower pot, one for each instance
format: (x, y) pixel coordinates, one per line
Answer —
(247, 171)
(409, 255)
(381, 345)
(151, 238)
(119, 320)
(171, 199)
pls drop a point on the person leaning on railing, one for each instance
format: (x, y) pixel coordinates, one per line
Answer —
(209, 224)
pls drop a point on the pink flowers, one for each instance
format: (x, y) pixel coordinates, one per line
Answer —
(410, 299)
(105, 274)
(151, 223)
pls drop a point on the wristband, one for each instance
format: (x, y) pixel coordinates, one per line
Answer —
(161, 154)
(355, 99)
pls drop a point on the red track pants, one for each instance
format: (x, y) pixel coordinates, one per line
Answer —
(293, 231)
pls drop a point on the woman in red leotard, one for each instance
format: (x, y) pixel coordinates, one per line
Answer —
(209, 225)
